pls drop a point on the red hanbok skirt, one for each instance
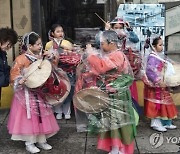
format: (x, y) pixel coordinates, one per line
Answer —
(158, 103)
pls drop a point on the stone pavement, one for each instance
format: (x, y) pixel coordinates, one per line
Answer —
(68, 141)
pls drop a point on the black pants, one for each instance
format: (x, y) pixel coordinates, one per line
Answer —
(0, 96)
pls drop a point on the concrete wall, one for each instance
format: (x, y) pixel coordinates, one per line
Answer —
(5, 20)
(173, 32)
(21, 18)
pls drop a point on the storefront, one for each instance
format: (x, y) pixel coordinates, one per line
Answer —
(76, 16)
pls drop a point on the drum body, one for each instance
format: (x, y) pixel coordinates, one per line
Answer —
(57, 87)
(135, 60)
(91, 100)
(72, 58)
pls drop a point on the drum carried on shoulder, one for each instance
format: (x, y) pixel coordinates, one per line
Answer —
(57, 87)
(135, 60)
(53, 83)
(91, 100)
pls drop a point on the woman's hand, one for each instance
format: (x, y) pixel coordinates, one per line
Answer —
(47, 53)
(21, 81)
(88, 46)
(107, 26)
(162, 84)
(127, 25)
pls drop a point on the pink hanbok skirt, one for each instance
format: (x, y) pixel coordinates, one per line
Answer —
(19, 124)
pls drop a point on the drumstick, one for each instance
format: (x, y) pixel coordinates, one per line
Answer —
(41, 62)
(42, 58)
(100, 18)
(31, 73)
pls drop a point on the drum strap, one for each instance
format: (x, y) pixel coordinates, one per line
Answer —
(31, 58)
(38, 108)
(0, 96)
(27, 104)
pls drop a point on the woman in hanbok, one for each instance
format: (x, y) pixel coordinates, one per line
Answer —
(31, 119)
(68, 61)
(109, 73)
(158, 103)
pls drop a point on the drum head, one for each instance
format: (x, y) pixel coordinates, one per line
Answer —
(91, 100)
(174, 79)
(37, 73)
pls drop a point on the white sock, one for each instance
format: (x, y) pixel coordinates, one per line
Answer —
(114, 150)
(158, 123)
(28, 143)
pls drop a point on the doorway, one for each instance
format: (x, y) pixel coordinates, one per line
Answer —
(75, 16)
